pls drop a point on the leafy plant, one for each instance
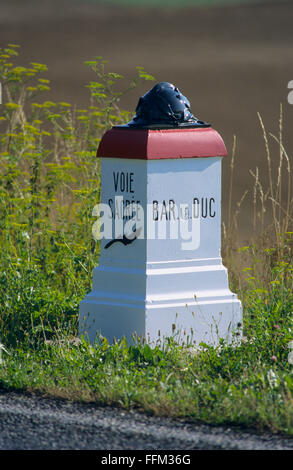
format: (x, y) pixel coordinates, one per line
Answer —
(50, 182)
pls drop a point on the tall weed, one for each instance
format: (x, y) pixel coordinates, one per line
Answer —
(50, 182)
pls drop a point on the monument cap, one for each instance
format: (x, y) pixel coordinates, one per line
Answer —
(162, 128)
(164, 107)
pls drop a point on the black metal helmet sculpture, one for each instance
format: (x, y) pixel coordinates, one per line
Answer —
(164, 106)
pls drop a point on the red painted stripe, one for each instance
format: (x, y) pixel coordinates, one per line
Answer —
(147, 144)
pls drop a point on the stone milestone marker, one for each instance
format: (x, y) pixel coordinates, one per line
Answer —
(160, 272)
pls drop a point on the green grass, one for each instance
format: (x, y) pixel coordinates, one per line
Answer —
(50, 182)
(218, 386)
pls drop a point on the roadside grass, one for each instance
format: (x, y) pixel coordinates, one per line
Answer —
(239, 386)
(50, 182)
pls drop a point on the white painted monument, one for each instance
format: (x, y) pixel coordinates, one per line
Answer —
(160, 271)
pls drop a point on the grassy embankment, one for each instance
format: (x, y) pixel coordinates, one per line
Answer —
(49, 185)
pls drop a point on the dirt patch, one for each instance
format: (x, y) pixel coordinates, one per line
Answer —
(230, 61)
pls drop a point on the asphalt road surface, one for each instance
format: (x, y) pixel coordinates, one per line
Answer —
(36, 423)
